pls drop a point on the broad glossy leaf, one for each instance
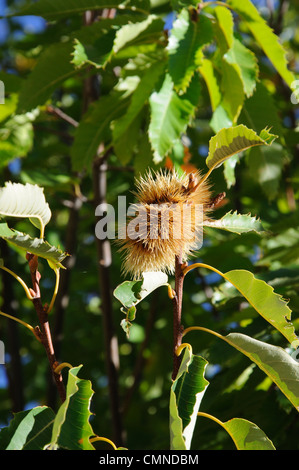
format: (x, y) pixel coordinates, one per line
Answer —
(237, 223)
(247, 435)
(245, 63)
(5, 231)
(170, 116)
(123, 125)
(130, 293)
(232, 90)
(232, 140)
(282, 369)
(265, 301)
(36, 246)
(264, 35)
(71, 428)
(186, 42)
(225, 23)
(56, 9)
(185, 397)
(25, 200)
(94, 129)
(28, 430)
(266, 165)
(208, 73)
(149, 31)
(260, 111)
(59, 61)
(52, 68)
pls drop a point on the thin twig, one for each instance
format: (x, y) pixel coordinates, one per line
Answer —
(62, 115)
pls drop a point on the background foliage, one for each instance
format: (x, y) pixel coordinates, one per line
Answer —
(134, 99)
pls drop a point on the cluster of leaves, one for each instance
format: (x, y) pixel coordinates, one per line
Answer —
(170, 75)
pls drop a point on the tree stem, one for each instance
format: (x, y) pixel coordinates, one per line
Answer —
(44, 332)
(177, 313)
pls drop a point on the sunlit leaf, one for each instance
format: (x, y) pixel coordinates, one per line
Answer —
(185, 397)
(19, 200)
(207, 71)
(170, 116)
(245, 63)
(186, 42)
(28, 430)
(265, 301)
(130, 293)
(237, 223)
(72, 429)
(273, 360)
(229, 141)
(35, 246)
(246, 435)
(264, 35)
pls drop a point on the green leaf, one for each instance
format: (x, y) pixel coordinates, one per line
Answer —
(130, 293)
(185, 47)
(28, 430)
(229, 141)
(170, 116)
(5, 231)
(36, 246)
(237, 223)
(282, 369)
(232, 90)
(225, 23)
(185, 397)
(245, 434)
(208, 73)
(148, 31)
(71, 428)
(94, 128)
(16, 136)
(265, 166)
(124, 125)
(260, 110)
(245, 63)
(52, 68)
(96, 54)
(19, 200)
(265, 301)
(57, 9)
(265, 37)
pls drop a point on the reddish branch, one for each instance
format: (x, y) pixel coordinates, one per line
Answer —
(43, 331)
(177, 313)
